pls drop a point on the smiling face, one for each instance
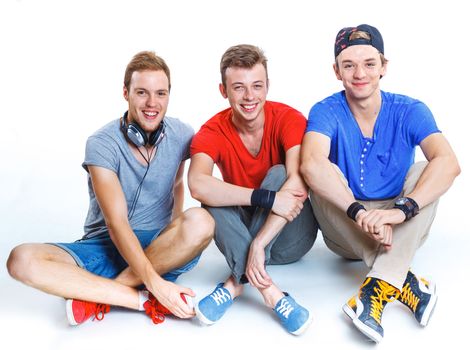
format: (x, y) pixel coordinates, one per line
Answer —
(360, 68)
(148, 96)
(246, 90)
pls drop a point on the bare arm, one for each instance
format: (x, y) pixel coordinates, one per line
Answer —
(178, 192)
(255, 269)
(211, 191)
(318, 171)
(325, 182)
(112, 202)
(439, 174)
(435, 180)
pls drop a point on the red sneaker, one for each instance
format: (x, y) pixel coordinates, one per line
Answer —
(157, 311)
(78, 311)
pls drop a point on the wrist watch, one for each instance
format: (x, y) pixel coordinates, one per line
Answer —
(408, 206)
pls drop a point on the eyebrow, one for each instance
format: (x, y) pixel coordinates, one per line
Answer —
(366, 60)
(144, 89)
(255, 82)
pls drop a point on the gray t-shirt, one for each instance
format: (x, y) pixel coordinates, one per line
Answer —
(109, 149)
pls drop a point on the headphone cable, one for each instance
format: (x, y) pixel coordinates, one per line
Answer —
(139, 188)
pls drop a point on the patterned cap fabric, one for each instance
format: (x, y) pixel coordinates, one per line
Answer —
(343, 38)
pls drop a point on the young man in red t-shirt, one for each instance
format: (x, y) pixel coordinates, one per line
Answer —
(260, 208)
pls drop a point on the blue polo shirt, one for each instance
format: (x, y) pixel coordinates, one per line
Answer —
(374, 167)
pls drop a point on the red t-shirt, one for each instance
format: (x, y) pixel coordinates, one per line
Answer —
(284, 128)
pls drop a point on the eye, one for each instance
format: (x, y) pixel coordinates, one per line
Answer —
(162, 93)
(140, 92)
(258, 86)
(238, 88)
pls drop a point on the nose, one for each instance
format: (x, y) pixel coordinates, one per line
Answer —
(248, 96)
(359, 72)
(151, 101)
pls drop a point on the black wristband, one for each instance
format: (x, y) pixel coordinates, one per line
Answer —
(263, 198)
(408, 206)
(354, 209)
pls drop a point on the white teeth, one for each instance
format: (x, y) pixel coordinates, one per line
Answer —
(151, 114)
(248, 106)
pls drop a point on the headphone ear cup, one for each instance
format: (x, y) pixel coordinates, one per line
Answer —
(157, 134)
(135, 133)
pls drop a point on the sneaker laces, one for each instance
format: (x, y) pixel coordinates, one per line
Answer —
(384, 293)
(155, 309)
(220, 296)
(285, 308)
(97, 309)
(409, 298)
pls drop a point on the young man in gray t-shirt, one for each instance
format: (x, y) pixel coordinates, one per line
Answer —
(136, 233)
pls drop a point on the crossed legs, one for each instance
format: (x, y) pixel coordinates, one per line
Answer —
(54, 271)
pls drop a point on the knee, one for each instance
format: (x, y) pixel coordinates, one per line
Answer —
(278, 170)
(199, 226)
(20, 263)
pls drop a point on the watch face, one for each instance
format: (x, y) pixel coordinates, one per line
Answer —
(401, 201)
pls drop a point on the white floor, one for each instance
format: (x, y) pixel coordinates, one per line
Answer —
(321, 281)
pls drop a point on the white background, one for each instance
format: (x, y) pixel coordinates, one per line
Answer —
(61, 69)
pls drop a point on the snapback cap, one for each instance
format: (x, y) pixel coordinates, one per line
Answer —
(343, 40)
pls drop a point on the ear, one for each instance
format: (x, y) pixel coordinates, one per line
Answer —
(383, 70)
(222, 90)
(337, 73)
(267, 85)
(125, 93)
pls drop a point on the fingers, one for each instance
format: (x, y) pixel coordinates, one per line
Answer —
(259, 279)
(187, 291)
(384, 236)
(287, 206)
(181, 309)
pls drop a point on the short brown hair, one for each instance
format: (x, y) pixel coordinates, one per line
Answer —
(145, 60)
(242, 56)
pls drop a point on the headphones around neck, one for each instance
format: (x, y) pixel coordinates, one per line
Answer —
(138, 136)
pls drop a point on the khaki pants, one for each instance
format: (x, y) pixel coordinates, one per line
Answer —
(343, 236)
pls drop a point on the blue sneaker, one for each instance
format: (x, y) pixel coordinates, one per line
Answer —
(211, 308)
(420, 296)
(365, 309)
(294, 317)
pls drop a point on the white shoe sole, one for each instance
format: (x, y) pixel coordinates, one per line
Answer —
(200, 316)
(305, 325)
(69, 312)
(432, 304)
(368, 332)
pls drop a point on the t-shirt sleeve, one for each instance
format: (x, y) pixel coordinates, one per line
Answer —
(321, 120)
(99, 152)
(419, 123)
(187, 133)
(206, 141)
(292, 129)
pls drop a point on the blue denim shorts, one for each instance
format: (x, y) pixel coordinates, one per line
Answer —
(100, 256)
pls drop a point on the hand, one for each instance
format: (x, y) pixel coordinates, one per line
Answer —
(168, 294)
(288, 203)
(372, 220)
(255, 270)
(384, 236)
(377, 224)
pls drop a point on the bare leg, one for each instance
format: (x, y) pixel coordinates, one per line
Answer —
(52, 270)
(271, 295)
(185, 238)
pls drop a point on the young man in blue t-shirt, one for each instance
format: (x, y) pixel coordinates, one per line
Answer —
(358, 159)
